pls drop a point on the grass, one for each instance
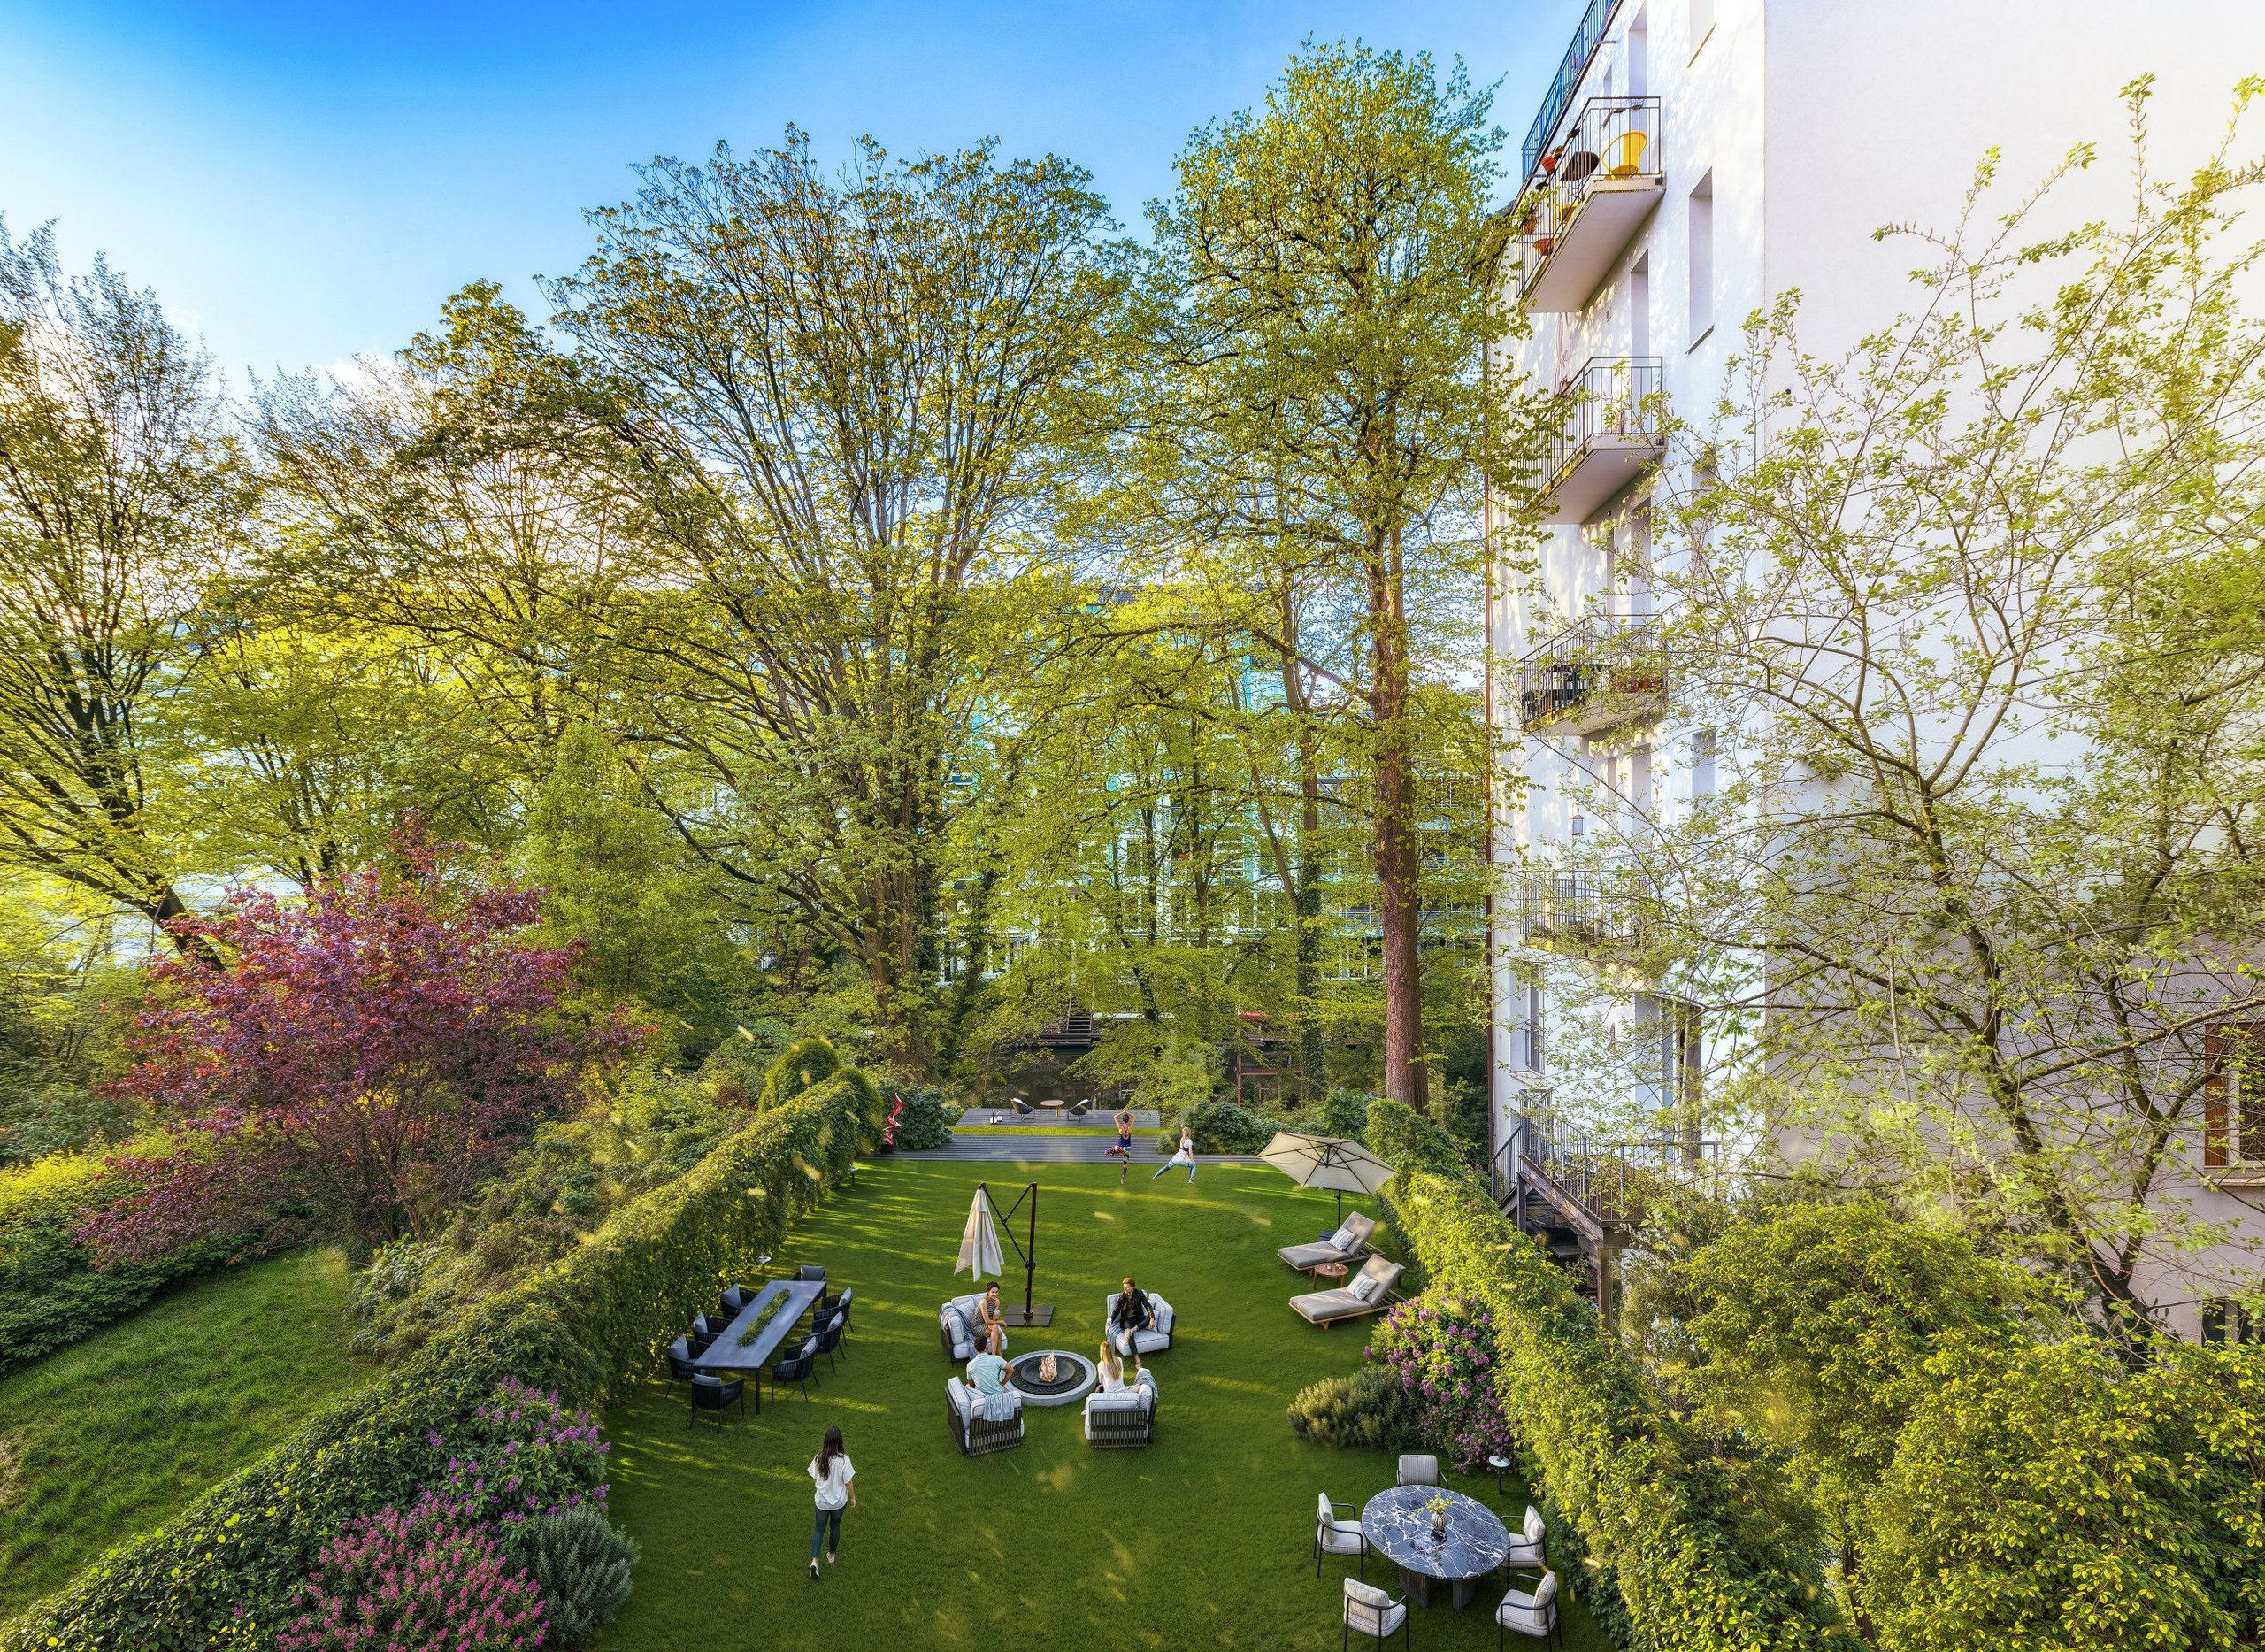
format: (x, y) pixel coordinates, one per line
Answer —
(1205, 1539)
(111, 1435)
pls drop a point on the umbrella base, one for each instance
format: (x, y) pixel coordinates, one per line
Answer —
(1030, 1318)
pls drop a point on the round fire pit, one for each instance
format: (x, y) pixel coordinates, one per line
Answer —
(1074, 1377)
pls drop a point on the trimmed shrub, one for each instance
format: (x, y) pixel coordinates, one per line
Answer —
(1346, 1113)
(804, 1063)
(1681, 1555)
(1221, 1127)
(1368, 1410)
(918, 1118)
(1407, 1141)
(582, 1563)
(51, 1293)
(228, 1567)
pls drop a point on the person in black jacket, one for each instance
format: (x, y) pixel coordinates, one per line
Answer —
(1133, 1316)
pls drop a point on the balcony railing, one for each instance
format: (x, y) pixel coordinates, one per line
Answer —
(1595, 188)
(1614, 424)
(1575, 912)
(1613, 1181)
(1587, 36)
(1609, 669)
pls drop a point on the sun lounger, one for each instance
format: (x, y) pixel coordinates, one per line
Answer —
(1355, 1234)
(1370, 1291)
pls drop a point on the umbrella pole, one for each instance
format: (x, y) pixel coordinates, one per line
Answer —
(1031, 1315)
(1341, 1207)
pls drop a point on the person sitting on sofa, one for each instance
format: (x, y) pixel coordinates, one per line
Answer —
(1133, 1315)
(987, 1373)
(1112, 1368)
(992, 1329)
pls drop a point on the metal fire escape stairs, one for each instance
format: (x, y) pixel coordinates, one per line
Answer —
(1582, 1200)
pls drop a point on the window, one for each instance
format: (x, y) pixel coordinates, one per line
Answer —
(1702, 23)
(1702, 764)
(2233, 1095)
(1525, 1037)
(1702, 258)
(1640, 307)
(1639, 779)
(1640, 57)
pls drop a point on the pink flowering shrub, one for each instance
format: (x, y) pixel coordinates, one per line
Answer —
(521, 1455)
(1442, 1349)
(429, 1576)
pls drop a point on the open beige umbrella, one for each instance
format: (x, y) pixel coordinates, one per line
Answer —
(978, 1245)
(1335, 1163)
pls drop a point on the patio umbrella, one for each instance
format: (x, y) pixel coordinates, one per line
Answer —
(1331, 1162)
(978, 1245)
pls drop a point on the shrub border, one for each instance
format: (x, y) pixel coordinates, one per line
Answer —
(585, 1327)
(1693, 1566)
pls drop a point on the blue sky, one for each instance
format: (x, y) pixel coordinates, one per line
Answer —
(304, 183)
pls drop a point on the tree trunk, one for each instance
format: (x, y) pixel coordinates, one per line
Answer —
(1398, 866)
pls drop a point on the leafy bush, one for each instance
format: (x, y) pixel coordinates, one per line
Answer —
(1346, 1113)
(805, 1064)
(1222, 1127)
(228, 1566)
(431, 1576)
(1440, 1349)
(1368, 1410)
(920, 1117)
(582, 1563)
(51, 1292)
(1407, 1141)
(1679, 1547)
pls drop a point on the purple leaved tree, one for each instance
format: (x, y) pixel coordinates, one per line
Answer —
(365, 1058)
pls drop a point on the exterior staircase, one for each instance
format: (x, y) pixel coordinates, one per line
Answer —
(1582, 1200)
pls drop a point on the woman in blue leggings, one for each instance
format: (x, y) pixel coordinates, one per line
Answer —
(837, 1489)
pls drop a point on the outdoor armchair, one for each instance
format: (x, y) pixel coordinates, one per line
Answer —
(1532, 1614)
(1346, 1243)
(983, 1423)
(1525, 1547)
(713, 1394)
(955, 1323)
(1370, 1612)
(1154, 1339)
(1418, 1468)
(1126, 1418)
(680, 1366)
(795, 1368)
(1335, 1536)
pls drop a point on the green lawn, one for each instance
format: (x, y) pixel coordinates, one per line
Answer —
(109, 1436)
(1205, 1539)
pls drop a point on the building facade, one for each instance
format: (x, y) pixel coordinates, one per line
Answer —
(1690, 161)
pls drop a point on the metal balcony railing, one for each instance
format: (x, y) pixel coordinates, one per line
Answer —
(1612, 141)
(1573, 912)
(1613, 401)
(1611, 1181)
(1608, 666)
(1587, 36)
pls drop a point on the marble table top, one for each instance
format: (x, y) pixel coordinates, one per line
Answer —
(1399, 1527)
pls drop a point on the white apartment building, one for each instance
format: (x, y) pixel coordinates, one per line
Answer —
(1695, 159)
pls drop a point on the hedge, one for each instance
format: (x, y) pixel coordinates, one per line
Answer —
(222, 1573)
(1694, 1564)
(51, 1293)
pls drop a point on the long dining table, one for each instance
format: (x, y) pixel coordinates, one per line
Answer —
(785, 1301)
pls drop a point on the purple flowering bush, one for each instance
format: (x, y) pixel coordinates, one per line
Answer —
(1441, 1348)
(430, 1576)
(440, 1573)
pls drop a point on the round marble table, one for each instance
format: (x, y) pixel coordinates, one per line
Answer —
(1398, 1525)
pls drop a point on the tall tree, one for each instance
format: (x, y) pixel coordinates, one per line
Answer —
(1321, 312)
(120, 490)
(849, 407)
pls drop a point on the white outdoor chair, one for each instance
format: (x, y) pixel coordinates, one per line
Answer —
(1334, 1536)
(1525, 1550)
(1418, 1468)
(1371, 1611)
(1534, 1615)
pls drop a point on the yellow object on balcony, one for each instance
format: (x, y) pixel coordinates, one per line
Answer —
(1631, 148)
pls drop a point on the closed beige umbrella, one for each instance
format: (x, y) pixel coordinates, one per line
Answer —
(978, 1245)
(1335, 1163)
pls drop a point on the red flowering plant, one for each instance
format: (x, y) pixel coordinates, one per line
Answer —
(1442, 1349)
(366, 1057)
(430, 1576)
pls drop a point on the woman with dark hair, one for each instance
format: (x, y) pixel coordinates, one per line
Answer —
(836, 1490)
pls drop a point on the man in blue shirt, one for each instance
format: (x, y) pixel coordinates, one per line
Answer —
(987, 1373)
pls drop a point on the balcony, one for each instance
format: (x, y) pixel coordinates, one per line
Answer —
(1607, 670)
(1586, 200)
(1578, 913)
(1614, 426)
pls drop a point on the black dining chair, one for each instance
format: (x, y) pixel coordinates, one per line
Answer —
(829, 1339)
(841, 1313)
(808, 1275)
(680, 1366)
(794, 1368)
(713, 1394)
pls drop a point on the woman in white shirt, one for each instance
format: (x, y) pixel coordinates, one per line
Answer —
(836, 1490)
(1186, 1156)
(1111, 1368)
